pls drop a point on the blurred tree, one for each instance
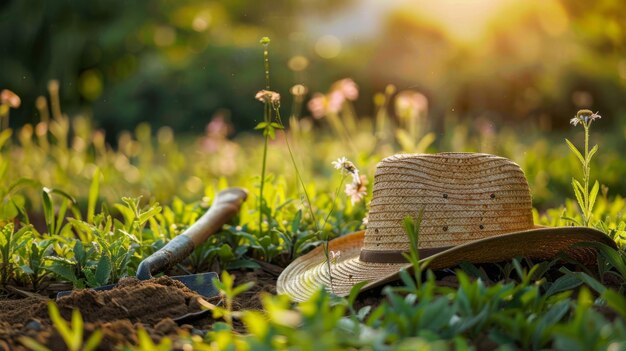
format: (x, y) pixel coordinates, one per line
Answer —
(177, 62)
(163, 61)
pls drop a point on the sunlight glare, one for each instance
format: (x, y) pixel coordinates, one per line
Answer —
(462, 19)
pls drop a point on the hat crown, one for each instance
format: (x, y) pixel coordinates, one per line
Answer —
(464, 196)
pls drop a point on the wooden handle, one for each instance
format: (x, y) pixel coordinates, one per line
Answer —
(226, 205)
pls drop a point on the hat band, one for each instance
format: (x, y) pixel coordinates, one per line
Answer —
(397, 256)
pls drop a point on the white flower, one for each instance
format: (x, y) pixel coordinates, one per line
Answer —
(585, 117)
(334, 256)
(339, 163)
(593, 117)
(344, 165)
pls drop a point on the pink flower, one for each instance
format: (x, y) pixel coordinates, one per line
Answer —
(348, 88)
(10, 98)
(317, 105)
(218, 126)
(357, 190)
(268, 96)
(216, 132)
(410, 103)
(345, 89)
(335, 101)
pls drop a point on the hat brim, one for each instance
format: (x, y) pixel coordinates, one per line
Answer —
(309, 272)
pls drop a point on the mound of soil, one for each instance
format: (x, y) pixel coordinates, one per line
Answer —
(151, 304)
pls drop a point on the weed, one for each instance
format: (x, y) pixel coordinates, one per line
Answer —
(71, 334)
(10, 242)
(586, 198)
(229, 292)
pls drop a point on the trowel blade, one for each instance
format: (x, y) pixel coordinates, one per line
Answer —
(201, 283)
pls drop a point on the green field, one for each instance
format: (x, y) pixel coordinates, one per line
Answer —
(80, 210)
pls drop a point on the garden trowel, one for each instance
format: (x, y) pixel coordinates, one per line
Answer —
(226, 205)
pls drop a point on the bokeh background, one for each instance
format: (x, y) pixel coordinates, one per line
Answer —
(178, 63)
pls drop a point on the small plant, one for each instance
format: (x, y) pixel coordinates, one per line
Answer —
(136, 218)
(412, 228)
(585, 198)
(34, 262)
(55, 222)
(71, 334)
(271, 101)
(229, 292)
(145, 343)
(85, 268)
(10, 242)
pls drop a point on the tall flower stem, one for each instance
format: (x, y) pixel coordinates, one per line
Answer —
(267, 117)
(318, 229)
(584, 196)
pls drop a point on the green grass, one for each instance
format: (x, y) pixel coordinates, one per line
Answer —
(77, 209)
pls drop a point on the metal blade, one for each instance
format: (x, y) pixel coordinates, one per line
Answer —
(201, 283)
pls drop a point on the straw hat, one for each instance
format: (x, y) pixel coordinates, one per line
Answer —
(477, 208)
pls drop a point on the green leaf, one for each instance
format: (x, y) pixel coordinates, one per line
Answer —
(612, 256)
(592, 197)
(21, 211)
(261, 125)
(20, 183)
(354, 292)
(79, 253)
(616, 302)
(566, 282)
(545, 325)
(575, 152)
(153, 211)
(94, 341)
(579, 195)
(31, 344)
(103, 270)
(65, 272)
(5, 135)
(77, 331)
(59, 323)
(271, 132)
(227, 280)
(425, 142)
(63, 194)
(26, 269)
(242, 288)
(592, 152)
(573, 220)
(48, 210)
(94, 190)
(585, 278)
(276, 125)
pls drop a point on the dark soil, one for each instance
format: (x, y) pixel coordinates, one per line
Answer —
(156, 305)
(152, 304)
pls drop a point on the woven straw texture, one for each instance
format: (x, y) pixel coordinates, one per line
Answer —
(464, 196)
(477, 206)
